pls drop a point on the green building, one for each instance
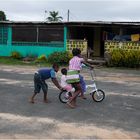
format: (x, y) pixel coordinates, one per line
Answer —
(37, 38)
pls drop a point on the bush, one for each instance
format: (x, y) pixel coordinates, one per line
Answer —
(59, 57)
(41, 58)
(132, 58)
(116, 57)
(16, 55)
(125, 58)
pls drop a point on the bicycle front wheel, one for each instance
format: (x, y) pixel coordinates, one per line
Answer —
(98, 95)
(64, 96)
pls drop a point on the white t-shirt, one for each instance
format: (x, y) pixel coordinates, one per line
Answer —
(63, 81)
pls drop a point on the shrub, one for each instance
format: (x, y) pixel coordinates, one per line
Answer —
(125, 58)
(59, 57)
(41, 58)
(16, 55)
(132, 58)
(116, 57)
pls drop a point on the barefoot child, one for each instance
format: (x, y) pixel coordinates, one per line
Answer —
(74, 76)
(39, 81)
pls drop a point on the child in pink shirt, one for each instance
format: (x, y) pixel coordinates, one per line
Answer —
(75, 64)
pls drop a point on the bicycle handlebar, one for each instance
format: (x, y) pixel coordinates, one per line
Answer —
(85, 66)
(91, 69)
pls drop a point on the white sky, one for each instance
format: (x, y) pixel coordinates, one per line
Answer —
(80, 10)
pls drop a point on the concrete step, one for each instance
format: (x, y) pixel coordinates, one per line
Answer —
(96, 61)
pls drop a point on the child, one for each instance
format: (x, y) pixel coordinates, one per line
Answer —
(74, 73)
(39, 81)
(67, 86)
(64, 84)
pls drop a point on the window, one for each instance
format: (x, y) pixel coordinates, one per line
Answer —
(3, 35)
(37, 34)
(50, 34)
(24, 34)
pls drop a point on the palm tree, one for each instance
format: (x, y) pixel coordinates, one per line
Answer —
(54, 17)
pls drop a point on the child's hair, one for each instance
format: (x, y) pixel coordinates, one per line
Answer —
(76, 52)
(64, 71)
(55, 65)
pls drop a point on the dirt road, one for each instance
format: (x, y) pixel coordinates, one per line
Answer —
(117, 117)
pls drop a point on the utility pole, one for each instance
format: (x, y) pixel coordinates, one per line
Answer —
(45, 15)
(68, 15)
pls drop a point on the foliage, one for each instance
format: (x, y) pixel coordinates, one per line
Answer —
(2, 16)
(54, 17)
(10, 61)
(16, 55)
(13, 61)
(125, 58)
(41, 58)
(59, 57)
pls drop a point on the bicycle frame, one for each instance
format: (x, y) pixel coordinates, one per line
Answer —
(93, 85)
(97, 94)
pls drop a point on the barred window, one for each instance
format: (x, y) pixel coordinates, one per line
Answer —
(3, 35)
(34, 34)
(22, 34)
(50, 34)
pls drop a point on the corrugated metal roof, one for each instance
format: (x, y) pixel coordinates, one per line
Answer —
(72, 23)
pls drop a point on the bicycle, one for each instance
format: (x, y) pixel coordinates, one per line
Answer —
(98, 95)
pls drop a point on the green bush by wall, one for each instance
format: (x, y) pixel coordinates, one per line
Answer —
(125, 58)
(59, 57)
(16, 55)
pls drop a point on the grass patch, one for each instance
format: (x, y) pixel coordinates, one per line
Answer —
(13, 61)
(10, 61)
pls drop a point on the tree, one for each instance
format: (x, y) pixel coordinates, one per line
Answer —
(54, 17)
(2, 16)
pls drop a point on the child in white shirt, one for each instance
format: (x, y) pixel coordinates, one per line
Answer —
(64, 84)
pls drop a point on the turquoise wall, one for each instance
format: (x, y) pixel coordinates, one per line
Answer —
(6, 50)
(24, 50)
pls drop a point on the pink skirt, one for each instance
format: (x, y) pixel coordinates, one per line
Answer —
(68, 87)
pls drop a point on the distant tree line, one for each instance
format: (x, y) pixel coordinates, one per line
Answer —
(2, 16)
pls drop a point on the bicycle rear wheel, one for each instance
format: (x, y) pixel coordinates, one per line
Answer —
(64, 96)
(98, 95)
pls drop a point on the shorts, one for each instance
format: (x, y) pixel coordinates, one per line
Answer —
(77, 86)
(83, 84)
(39, 84)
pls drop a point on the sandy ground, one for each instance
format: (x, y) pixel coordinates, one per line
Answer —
(63, 130)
